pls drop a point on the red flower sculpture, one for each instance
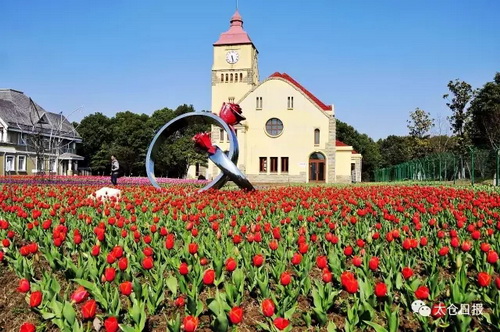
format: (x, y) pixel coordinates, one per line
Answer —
(203, 141)
(231, 114)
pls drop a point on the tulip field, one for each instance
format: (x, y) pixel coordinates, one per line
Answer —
(290, 258)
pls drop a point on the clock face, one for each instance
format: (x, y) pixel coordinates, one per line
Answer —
(232, 57)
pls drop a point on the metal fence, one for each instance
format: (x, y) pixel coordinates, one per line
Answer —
(477, 165)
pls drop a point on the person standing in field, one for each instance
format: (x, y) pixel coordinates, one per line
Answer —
(115, 167)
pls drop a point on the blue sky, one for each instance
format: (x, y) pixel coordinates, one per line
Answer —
(375, 60)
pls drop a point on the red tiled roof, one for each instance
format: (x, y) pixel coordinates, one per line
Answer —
(340, 143)
(300, 87)
(235, 35)
(354, 152)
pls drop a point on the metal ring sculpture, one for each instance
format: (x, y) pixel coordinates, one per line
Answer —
(227, 163)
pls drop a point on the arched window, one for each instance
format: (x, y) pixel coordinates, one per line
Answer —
(316, 136)
(241, 77)
(236, 77)
(227, 78)
(222, 78)
(231, 78)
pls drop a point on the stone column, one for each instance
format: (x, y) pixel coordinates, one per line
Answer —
(330, 149)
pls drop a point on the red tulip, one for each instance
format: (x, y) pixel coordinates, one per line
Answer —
(190, 323)
(203, 141)
(180, 301)
(24, 286)
(273, 245)
(466, 246)
(117, 251)
(373, 263)
(193, 248)
(497, 282)
(109, 274)
(281, 323)
(348, 251)
(88, 309)
(407, 272)
(422, 293)
(148, 251)
(327, 277)
(209, 277)
(110, 258)
(444, 251)
(349, 282)
(203, 261)
(148, 263)
(36, 299)
(1, 256)
(236, 315)
(357, 261)
(321, 262)
(492, 257)
(258, 260)
(170, 241)
(111, 324)
(27, 327)
(123, 263)
(483, 279)
(285, 278)
(296, 259)
(231, 264)
(183, 269)
(96, 250)
(380, 289)
(79, 295)
(126, 288)
(268, 307)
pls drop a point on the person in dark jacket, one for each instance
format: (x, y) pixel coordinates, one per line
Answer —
(115, 167)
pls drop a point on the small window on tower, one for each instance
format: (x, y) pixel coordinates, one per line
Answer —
(227, 78)
(231, 78)
(231, 100)
(222, 78)
(236, 77)
(290, 103)
(241, 77)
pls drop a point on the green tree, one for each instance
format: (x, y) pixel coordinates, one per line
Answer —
(420, 123)
(395, 150)
(461, 95)
(131, 137)
(485, 111)
(364, 145)
(96, 132)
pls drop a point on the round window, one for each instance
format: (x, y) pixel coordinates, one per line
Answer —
(274, 127)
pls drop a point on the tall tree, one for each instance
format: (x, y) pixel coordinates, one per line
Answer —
(485, 110)
(364, 145)
(461, 95)
(420, 123)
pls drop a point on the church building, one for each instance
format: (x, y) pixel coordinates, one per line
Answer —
(289, 134)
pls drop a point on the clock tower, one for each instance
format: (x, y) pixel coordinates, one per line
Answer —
(235, 70)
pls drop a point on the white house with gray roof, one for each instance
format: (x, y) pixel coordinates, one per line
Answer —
(34, 141)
